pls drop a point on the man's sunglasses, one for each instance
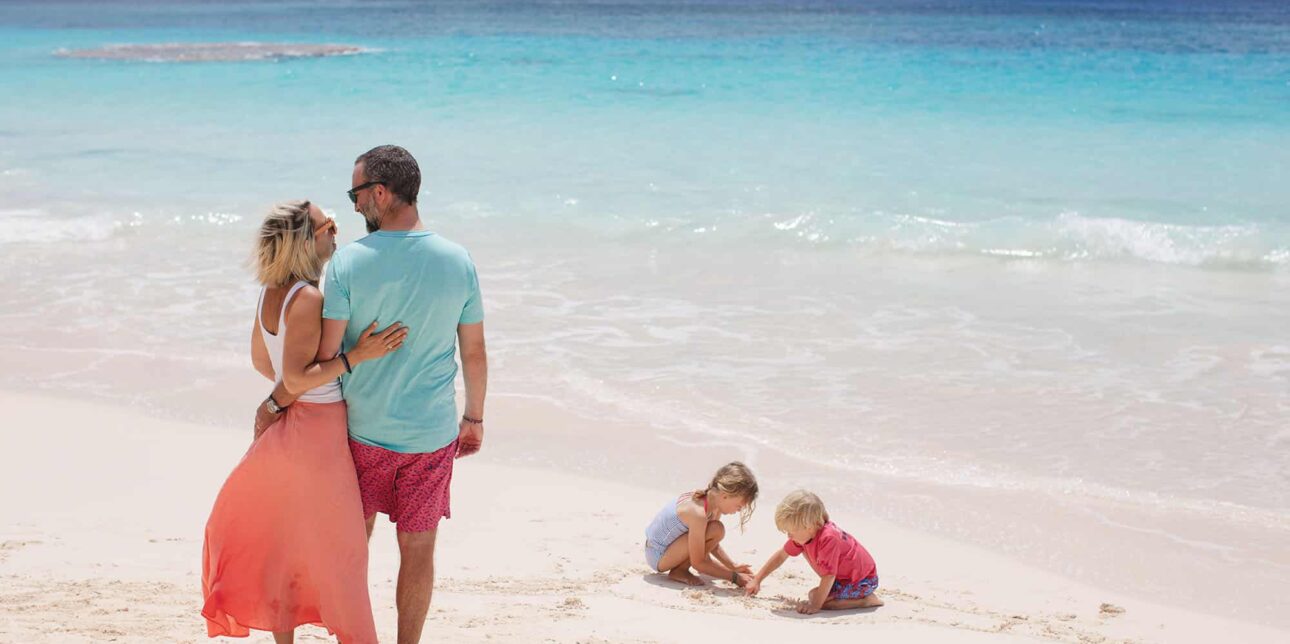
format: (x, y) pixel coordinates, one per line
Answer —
(353, 192)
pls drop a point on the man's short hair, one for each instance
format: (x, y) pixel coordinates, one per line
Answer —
(394, 167)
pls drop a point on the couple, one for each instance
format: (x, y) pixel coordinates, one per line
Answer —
(285, 543)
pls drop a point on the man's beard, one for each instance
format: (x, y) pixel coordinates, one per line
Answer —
(372, 216)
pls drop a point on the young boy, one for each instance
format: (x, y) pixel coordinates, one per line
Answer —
(848, 575)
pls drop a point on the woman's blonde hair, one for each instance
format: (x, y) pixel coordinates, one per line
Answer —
(800, 509)
(734, 479)
(286, 252)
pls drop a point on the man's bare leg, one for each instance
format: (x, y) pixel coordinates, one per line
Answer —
(416, 583)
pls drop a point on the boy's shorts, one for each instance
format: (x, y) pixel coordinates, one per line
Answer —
(854, 589)
(411, 488)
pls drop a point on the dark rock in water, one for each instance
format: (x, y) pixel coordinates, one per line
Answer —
(208, 52)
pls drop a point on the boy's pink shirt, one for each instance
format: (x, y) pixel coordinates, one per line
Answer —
(834, 552)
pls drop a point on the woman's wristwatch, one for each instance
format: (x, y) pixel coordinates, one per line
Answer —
(273, 406)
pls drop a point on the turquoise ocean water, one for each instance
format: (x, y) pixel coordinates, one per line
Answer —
(1149, 130)
(974, 248)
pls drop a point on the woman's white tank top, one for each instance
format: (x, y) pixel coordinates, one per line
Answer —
(327, 393)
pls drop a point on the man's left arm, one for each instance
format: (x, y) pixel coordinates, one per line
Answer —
(474, 371)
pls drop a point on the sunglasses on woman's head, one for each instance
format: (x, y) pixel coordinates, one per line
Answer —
(353, 192)
(327, 226)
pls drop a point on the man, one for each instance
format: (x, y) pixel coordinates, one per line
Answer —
(403, 424)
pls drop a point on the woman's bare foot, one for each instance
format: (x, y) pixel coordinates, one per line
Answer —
(683, 575)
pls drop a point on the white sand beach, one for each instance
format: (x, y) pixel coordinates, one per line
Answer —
(104, 511)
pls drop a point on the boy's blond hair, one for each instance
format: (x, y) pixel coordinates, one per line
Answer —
(800, 509)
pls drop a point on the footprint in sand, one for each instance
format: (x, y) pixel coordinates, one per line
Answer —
(13, 546)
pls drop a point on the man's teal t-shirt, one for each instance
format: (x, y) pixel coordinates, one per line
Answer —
(405, 401)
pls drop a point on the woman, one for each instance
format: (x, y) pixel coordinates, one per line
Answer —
(285, 542)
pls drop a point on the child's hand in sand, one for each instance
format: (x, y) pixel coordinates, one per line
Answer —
(753, 587)
(808, 608)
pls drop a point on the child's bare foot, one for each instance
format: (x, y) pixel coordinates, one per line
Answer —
(871, 601)
(684, 576)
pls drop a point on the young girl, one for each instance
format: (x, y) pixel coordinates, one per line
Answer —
(687, 532)
(848, 575)
(285, 542)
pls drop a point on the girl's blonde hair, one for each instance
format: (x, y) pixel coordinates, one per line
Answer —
(800, 509)
(286, 252)
(734, 479)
